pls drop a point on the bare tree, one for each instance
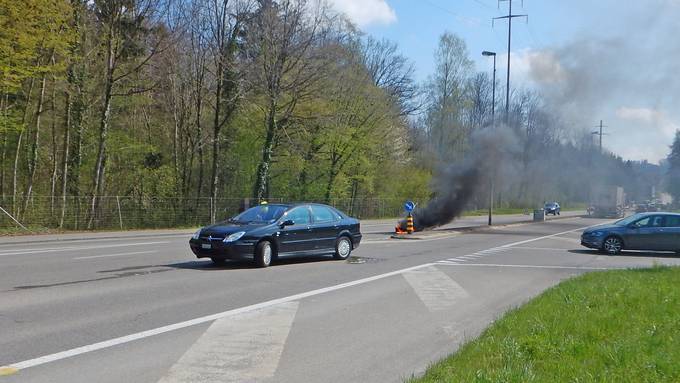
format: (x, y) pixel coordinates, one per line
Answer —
(124, 25)
(445, 95)
(392, 72)
(285, 67)
(226, 23)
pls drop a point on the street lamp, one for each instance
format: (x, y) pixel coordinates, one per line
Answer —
(493, 91)
(493, 124)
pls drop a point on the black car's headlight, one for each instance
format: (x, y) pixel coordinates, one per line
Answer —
(197, 234)
(597, 233)
(234, 237)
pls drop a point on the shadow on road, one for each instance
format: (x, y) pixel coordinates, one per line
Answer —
(209, 265)
(629, 253)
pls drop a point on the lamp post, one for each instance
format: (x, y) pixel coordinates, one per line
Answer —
(493, 125)
(493, 88)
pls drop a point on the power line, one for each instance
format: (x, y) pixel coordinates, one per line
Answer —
(483, 4)
(509, 16)
(458, 15)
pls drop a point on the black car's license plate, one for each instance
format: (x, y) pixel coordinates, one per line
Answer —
(206, 246)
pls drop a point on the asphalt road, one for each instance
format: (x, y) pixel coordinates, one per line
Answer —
(140, 308)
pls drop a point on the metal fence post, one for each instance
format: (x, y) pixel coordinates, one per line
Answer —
(120, 216)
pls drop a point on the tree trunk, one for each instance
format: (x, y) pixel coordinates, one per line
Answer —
(65, 159)
(17, 153)
(216, 133)
(3, 157)
(53, 180)
(3, 105)
(33, 159)
(332, 175)
(262, 180)
(100, 165)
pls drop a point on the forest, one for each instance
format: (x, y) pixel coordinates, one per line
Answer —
(166, 113)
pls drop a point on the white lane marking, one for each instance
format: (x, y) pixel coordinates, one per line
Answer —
(469, 256)
(83, 248)
(451, 262)
(542, 238)
(411, 241)
(491, 251)
(92, 240)
(539, 248)
(567, 239)
(533, 266)
(436, 289)
(192, 322)
(244, 348)
(117, 255)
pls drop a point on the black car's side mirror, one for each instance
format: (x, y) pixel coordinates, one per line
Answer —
(288, 222)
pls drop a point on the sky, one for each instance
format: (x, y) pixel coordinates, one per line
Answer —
(593, 60)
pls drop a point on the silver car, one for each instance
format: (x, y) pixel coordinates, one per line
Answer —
(644, 231)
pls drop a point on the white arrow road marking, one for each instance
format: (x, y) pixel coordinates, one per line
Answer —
(244, 348)
(436, 289)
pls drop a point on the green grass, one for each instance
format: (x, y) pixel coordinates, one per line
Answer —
(613, 326)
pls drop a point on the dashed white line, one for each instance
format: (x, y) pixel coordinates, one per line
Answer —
(117, 255)
(513, 244)
(36, 251)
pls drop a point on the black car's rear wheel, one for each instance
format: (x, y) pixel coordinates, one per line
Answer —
(264, 254)
(343, 248)
(612, 245)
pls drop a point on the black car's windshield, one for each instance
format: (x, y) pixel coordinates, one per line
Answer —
(628, 220)
(550, 205)
(260, 214)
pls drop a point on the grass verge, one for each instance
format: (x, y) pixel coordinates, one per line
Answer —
(613, 326)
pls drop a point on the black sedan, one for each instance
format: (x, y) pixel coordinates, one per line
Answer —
(644, 231)
(265, 232)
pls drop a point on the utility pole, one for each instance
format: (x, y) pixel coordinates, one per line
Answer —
(509, 16)
(600, 133)
(493, 126)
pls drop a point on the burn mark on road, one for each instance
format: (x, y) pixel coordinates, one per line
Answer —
(114, 276)
(354, 260)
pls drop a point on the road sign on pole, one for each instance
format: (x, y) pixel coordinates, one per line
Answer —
(409, 206)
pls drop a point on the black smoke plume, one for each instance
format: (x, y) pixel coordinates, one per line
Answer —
(455, 185)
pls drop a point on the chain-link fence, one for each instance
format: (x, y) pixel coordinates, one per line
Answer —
(122, 212)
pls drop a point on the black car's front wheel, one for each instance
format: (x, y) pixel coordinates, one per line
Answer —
(264, 254)
(343, 248)
(612, 245)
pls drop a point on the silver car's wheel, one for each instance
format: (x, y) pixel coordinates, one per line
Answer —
(263, 254)
(612, 245)
(343, 248)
